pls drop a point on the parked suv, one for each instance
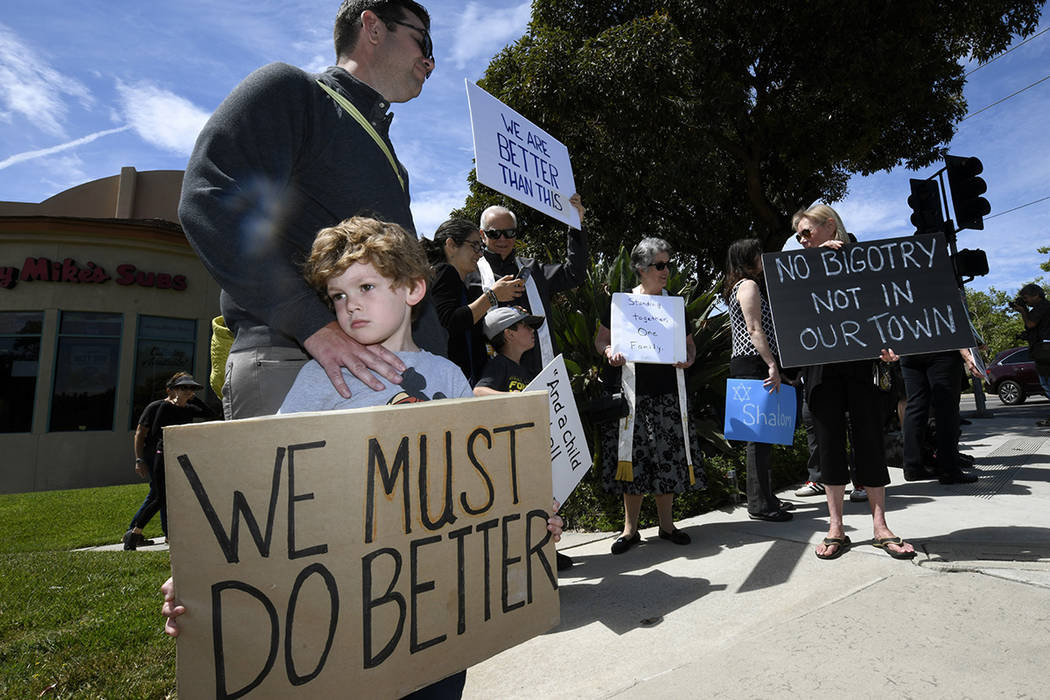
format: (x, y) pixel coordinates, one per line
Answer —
(1012, 376)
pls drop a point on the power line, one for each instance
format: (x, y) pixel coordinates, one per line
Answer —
(1015, 94)
(1012, 48)
(1043, 199)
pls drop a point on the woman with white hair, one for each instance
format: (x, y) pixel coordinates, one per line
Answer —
(654, 449)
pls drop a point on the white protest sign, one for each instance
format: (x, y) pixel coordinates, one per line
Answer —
(359, 553)
(570, 456)
(648, 327)
(517, 158)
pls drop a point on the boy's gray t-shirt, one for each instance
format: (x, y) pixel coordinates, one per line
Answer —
(425, 378)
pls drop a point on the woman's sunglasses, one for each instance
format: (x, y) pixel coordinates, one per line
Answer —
(804, 235)
(661, 266)
(496, 233)
(474, 245)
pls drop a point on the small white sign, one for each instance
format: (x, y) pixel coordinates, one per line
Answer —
(570, 455)
(517, 158)
(648, 328)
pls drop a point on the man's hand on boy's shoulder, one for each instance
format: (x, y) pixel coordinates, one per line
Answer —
(334, 349)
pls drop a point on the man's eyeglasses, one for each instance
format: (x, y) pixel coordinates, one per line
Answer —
(661, 266)
(496, 233)
(426, 44)
(474, 245)
(804, 235)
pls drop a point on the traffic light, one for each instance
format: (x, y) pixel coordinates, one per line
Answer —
(970, 263)
(925, 203)
(970, 207)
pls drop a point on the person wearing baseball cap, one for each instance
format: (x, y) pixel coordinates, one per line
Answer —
(512, 332)
(180, 406)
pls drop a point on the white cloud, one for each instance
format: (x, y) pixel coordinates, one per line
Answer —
(51, 150)
(31, 88)
(431, 208)
(160, 117)
(483, 31)
(318, 63)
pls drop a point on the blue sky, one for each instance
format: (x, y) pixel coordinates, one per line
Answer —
(89, 87)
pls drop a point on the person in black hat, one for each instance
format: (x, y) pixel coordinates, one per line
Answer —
(180, 406)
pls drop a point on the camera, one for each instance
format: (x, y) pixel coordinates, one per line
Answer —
(1019, 302)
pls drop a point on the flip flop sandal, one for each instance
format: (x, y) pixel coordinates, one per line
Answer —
(841, 544)
(883, 542)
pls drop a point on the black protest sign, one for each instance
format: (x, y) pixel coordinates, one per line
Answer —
(847, 304)
(359, 553)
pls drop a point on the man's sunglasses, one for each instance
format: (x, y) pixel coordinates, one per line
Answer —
(426, 44)
(804, 235)
(496, 233)
(661, 266)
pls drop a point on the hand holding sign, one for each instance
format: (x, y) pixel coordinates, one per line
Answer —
(384, 550)
(517, 158)
(754, 414)
(648, 328)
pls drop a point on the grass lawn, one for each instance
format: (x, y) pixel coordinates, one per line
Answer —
(80, 624)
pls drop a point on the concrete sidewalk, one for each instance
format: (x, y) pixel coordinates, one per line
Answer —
(748, 611)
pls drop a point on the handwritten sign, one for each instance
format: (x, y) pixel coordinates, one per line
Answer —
(382, 548)
(570, 455)
(847, 304)
(648, 327)
(517, 158)
(753, 414)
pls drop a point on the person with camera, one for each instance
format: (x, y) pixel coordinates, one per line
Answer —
(1031, 303)
(500, 234)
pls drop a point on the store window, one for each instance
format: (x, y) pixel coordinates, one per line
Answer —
(19, 362)
(86, 368)
(163, 347)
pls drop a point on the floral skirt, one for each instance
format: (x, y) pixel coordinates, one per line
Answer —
(659, 459)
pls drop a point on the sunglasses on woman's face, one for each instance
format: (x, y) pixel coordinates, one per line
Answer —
(661, 266)
(474, 245)
(496, 233)
(804, 235)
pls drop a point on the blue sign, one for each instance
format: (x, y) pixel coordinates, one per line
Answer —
(753, 414)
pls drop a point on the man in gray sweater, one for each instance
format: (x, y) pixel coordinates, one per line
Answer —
(286, 154)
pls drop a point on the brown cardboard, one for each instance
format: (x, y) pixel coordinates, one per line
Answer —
(316, 558)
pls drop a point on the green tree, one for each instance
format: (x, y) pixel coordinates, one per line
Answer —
(998, 325)
(704, 121)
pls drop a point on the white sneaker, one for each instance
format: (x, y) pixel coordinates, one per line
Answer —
(858, 495)
(811, 488)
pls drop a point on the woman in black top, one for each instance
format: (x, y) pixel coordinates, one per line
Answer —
(181, 406)
(832, 391)
(648, 451)
(454, 253)
(754, 356)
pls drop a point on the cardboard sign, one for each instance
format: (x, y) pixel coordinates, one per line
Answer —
(570, 455)
(847, 304)
(367, 552)
(517, 158)
(648, 327)
(753, 414)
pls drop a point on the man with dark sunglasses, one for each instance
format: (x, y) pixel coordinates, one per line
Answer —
(286, 154)
(499, 233)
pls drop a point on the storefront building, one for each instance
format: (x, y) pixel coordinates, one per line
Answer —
(101, 300)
